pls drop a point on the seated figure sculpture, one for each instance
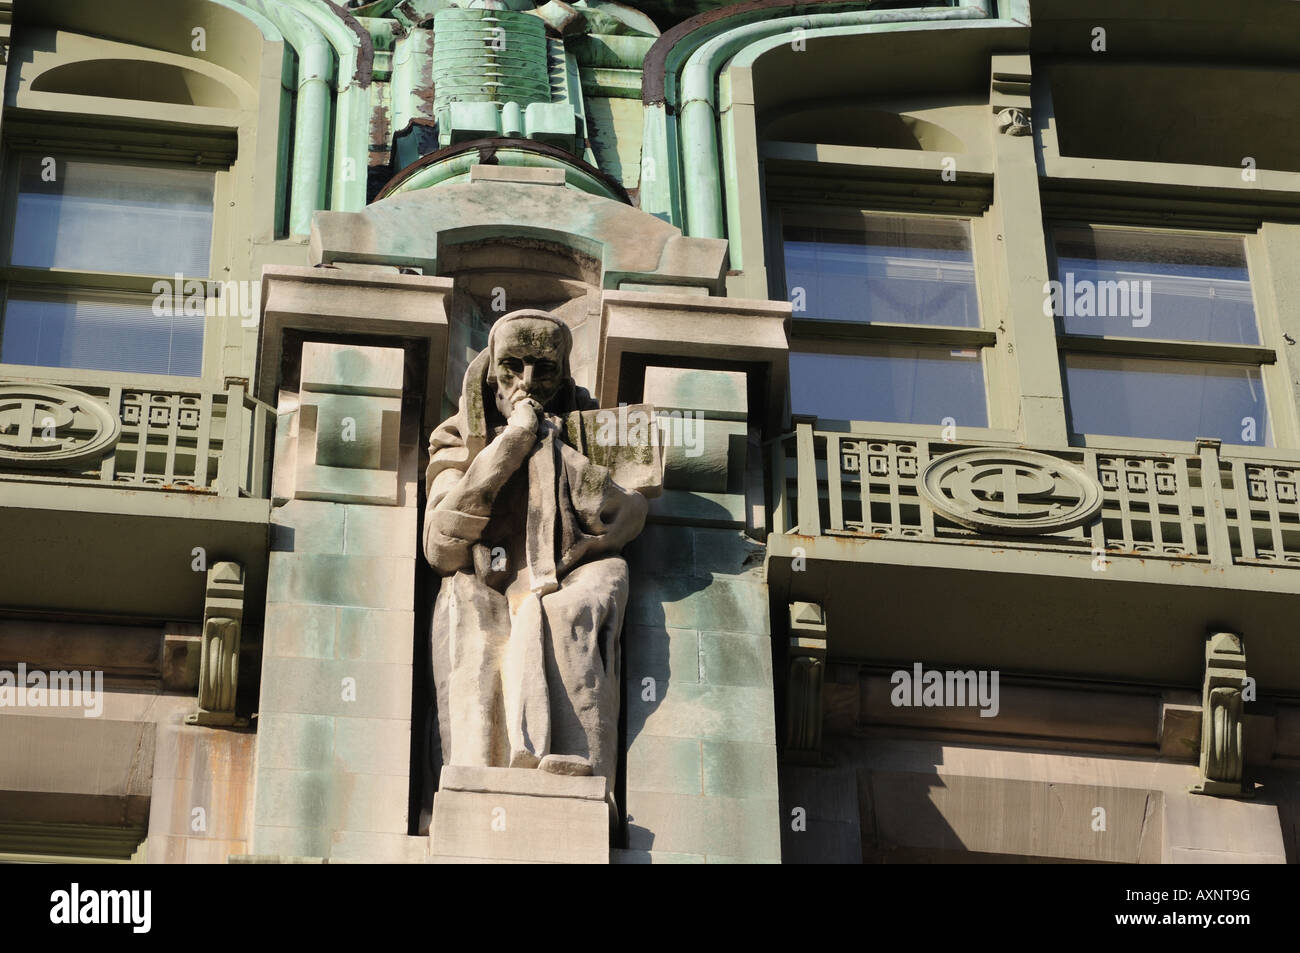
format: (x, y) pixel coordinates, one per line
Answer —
(527, 533)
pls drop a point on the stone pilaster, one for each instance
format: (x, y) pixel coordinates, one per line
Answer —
(333, 769)
(334, 733)
(701, 737)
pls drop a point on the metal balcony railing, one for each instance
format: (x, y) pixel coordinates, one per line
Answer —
(1179, 507)
(199, 441)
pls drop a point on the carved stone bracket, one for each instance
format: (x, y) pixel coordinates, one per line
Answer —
(223, 617)
(807, 671)
(1014, 122)
(1222, 723)
(1010, 93)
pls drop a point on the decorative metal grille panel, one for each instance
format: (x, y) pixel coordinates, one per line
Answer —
(1264, 515)
(196, 441)
(1152, 505)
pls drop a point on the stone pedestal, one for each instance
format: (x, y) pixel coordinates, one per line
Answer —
(491, 815)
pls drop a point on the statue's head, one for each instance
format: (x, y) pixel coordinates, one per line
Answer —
(529, 358)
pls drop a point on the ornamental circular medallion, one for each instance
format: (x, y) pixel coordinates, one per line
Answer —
(1010, 491)
(43, 425)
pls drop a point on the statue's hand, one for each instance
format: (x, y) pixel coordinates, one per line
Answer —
(526, 414)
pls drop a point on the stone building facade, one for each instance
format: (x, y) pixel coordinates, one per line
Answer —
(965, 331)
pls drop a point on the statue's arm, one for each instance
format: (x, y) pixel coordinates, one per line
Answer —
(477, 489)
(460, 502)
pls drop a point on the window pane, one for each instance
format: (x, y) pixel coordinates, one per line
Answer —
(894, 383)
(101, 332)
(1152, 284)
(884, 268)
(99, 216)
(1172, 400)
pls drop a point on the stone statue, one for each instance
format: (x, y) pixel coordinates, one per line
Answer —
(527, 532)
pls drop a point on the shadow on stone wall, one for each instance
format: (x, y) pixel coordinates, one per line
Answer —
(697, 709)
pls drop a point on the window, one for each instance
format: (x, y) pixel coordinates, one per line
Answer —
(894, 383)
(1159, 335)
(886, 317)
(90, 239)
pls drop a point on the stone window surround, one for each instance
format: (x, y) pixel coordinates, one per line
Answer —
(1177, 188)
(90, 282)
(1262, 356)
(1041, 416)
(850, 336)
(239, 142)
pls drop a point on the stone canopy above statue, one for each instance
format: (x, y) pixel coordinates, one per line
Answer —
(414, 230)
(628, 284)
(517, 238)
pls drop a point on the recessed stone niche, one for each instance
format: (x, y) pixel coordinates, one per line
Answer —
(349, 424)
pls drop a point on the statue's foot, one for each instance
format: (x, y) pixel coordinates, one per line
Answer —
(570, 764)
(523, 759)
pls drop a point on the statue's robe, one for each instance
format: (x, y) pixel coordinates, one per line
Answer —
(527, 621)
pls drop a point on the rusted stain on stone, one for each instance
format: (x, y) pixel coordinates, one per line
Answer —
(409, 11)
(425, 91)
(585, 264)
(364, 73)
(380, 142)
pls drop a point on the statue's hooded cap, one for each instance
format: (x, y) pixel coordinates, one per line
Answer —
(471, 428)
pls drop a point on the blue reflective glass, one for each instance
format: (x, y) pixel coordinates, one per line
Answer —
(1166, 399)
(101, 332)
(893, 383)
(102, 216)
(1152, 284)
(880, 268)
